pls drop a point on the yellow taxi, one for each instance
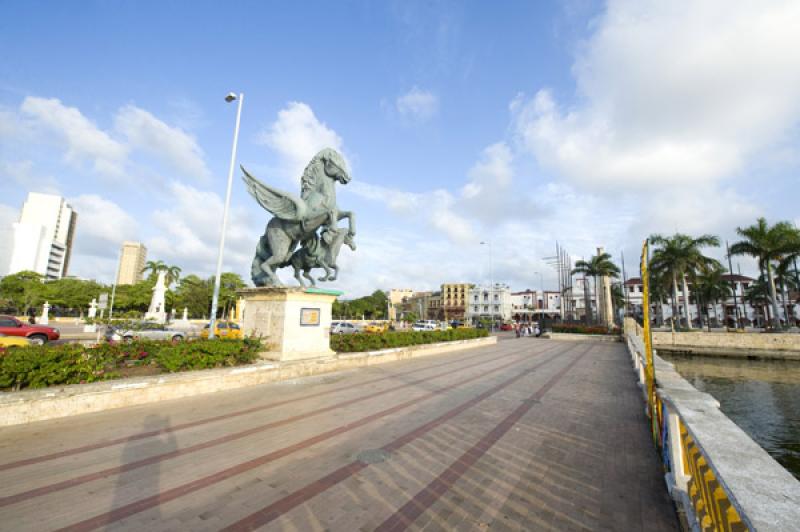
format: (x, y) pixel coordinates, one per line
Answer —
(13, 341)
(224, 330)
(376, 328)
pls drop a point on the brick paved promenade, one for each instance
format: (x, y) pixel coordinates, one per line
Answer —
(525, 435)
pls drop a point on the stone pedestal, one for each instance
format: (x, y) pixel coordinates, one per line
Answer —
(293, 323)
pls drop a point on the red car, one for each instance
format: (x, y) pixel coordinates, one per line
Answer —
(37, 334)
(506, 327)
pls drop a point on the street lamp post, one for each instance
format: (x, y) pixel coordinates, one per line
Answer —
(215, 299)
(541, 283)
(491, 285)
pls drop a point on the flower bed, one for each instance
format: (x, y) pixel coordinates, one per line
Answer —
(42, 366)
(354, 343)
(583, 329)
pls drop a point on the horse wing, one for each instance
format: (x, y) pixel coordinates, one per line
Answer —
(282, 204)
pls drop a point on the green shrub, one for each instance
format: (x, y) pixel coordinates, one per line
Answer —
(207, 354)
(353, 343)
(582, 329)
(48, 365)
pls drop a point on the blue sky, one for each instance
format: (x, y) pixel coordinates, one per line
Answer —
(523, 123)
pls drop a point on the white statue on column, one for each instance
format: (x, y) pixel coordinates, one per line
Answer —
(157, 310)
(91, 327)
(44, 319)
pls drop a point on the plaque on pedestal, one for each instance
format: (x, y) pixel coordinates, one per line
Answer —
(293, 323)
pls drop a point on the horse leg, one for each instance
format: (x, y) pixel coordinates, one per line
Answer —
(307, 275)
(351, 220)
(280, 244)
(335, 269)
(297, 276)
(262, 253)
(324, 265)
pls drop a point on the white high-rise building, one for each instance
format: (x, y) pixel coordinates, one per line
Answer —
(42, 238)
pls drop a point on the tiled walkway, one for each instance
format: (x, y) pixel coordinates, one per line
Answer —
(526, 435)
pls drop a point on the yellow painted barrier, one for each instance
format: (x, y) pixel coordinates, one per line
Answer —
(712, 507)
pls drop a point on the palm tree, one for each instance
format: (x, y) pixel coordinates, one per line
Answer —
(172, 273)
(680, 256)
(659, 292)
(757, 295)
(789, 279)
(712, 287)
(617, 297)
(597, 266)
(769, 245)
(152, 267)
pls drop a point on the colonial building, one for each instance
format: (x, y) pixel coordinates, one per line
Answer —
(530, 305)
(454, 297)
(489, 302)
(722, 312)
(396, 298)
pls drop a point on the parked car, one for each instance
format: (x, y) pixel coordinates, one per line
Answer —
(144, 331)
(343, 327)
(37, 334)
(224, 329)
(423, 326)
(375, 328)
(12, 341)
(506, 327)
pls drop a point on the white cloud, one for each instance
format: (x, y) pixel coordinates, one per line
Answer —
(417, 105)
(170, 145)
(22, 174)
(188, 236)
(101, 227)
(399, 201)
(8, 215)
(678, 92)
(84, 140)
(296, 136)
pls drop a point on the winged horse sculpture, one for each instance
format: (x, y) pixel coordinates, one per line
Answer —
(297, 219)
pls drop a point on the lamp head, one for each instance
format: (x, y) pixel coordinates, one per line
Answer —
(230, 97)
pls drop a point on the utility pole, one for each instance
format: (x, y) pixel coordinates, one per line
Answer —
(624, 284)
(733, 285)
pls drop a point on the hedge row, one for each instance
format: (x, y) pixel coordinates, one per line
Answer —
(353, 343)
(42, 366)
(582, 329)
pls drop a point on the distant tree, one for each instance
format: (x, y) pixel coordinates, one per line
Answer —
(769, 245)
(680, 256)
(73, 293)
(710, 287)
(23, 289)
(597, 266)
(194, 294)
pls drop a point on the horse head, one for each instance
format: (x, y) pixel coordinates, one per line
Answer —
(326, 163)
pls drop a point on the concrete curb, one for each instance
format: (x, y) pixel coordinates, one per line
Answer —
(572, 337)
(55, 402)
